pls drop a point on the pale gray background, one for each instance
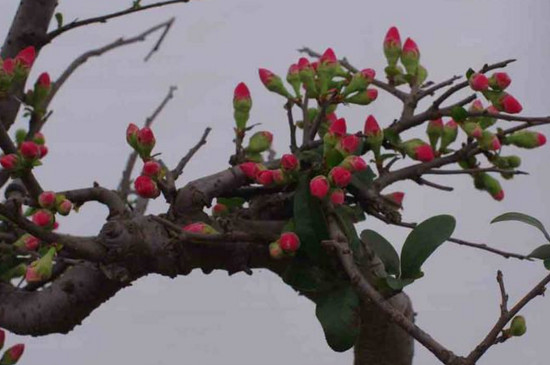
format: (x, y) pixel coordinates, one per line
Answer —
(215, 44)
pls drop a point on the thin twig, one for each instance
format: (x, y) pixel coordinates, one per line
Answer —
(183, 162)
(422, 181)
(79, 61)
(291, 126)
(104, 18)
(434, 88)
(474, 171)
(503, 294)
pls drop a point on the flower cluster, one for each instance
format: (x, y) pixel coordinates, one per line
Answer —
(29, 153)
(287, 173)
(143, 141)
(14, 70)
(286, 245)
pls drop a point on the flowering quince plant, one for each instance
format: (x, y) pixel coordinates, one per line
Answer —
(293, 213)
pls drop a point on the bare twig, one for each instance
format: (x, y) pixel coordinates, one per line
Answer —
(104, 18)
(291, 126)
(183, 162)
(124, 186)
(434, 88)
(503, 294)
(79, 61)
(474, 171)
(422, 181)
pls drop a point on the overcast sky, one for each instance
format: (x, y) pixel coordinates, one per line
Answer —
(215, 44)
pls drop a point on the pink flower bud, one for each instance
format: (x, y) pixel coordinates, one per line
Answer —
(410, 47)
(250, 169)
(339, 176)
(26, 57)
(9, 162)
(303, 64)
(354, 164)
(64, 207)
(39, 138)
(44, 80)
(43, 150)
(499, 195)
(31, 275)
(328, 58)
(293, 70)
(29, 150)
(266, 76)
(13, 354)
(424, 153)
(289, 242)
(319, 186)
(338, 127)
(492, 109)
(43, 218)
(131, 134)
(510, 104)
(275, 250)
(478, 82)
(396, 197)
(31, 243)
(337, 197)
(47, 199)
(392, 46)
(145, 187)
(265, 177)
(371, 127)
(349, 144)
(495, 144)
(290, 162)
(500, 80)
(8, 66)
(151, 168)
(477, 106)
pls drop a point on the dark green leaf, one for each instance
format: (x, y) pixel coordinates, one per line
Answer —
(398, 284)
(459, 114)
(338, 312)
(541, 252)
(310, 221)
(346, 222)
(383, 249)
(524, 218)
(235, 202)
(547, 264)
(333, 158)
(469, 73)
(422, 242)
(59, 19)
(305, 277)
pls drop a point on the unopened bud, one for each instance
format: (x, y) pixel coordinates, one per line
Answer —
(13, 354)
(392, 46)
(146, 188)
(275, 250)
(354, 164)
(337, 196)
(250, 169)
(450, 132)
(418, 150)
(289, 242)
(64, 207)
(201, 228)
(47, 199)
(363, 97)
(290, 162)
(265, 177)
(339, 176)
(319, 186)
(273, 83)
(499, 81)
(434, 131)
(478, 82)
(526, 139)
(41, 269)
(348, 145)
(518, 326)
(260, 142)
(410, 56)
(9, 162)
(29, 150)
(43, 218)
(396, 198)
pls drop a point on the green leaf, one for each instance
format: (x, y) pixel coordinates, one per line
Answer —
(235, 202)
(422, 242)
(459, 114)
(524, 218)
(397, 284)
(541, 252)
(59, 19)
(305, 277)
(366, 177)
(346, 222)
(469, 73)
(383, 249)
(547, 264)
(338, 312)
(310, 221)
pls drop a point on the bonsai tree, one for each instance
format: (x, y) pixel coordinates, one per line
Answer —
(293, 212)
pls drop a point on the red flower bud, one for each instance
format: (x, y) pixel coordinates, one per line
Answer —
(424, 153)
(510, 104)
(146, 187)
(477, 106)
(265, 177)
(290, 162)
(392, 46)
(44, 80)
(349, 144)
(64, 207)
(289, 242)
(396, 197)
(241, 92)
(369, 74)
(151, 168)
(250, 169)
(29, 150)
(500, 80)
(303, 64)
(43, 150)
(47, 199)
(31, 243)
(146, 137)
(26, 57)
(13, 354)
(319, 186)
(9, 162)
(340, 176)
(293, 70)
(8, 66)
(410, 47)
(499, 195)
(131, 134)
(315, 65)
(338, 127)
(328, 58)
(43, 218)
(495, 144)
(392, 38)
(478, 82)
(266, 76)
(220, 209)
(371, 127)
(354, 164)
(337, 197)
(199, 227)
